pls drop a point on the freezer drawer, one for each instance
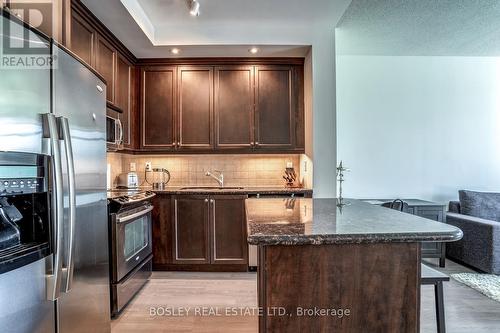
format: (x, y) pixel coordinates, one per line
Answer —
(24, 307)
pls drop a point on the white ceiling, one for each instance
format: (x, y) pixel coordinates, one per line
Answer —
(420, 28)
(150, 28)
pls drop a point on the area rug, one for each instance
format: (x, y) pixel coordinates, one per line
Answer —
(487, 284)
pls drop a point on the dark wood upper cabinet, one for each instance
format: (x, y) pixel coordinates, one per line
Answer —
(48, 21)
(105, 64)
(125, 98)
(82, 38)
(228, 225)
(158, 92)
(191, 232)
(195, 107)
(234, 106)
(274, 107)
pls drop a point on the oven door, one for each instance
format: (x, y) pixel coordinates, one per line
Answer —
(132, 240)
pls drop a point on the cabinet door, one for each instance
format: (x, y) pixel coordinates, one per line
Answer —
(191, 229)
(124, 95)
(47, 21)
(162, 231)
(275, 107)
(105, 65)
(158, 108)
(228, 226)
(195, 86)
(82, 38)
(234, 107)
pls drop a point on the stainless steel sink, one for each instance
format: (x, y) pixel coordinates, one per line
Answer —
(201, 188)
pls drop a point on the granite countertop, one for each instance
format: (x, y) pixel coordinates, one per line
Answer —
(233, 190)
(301, 221)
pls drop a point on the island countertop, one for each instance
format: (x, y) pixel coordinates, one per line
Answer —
(303, 221)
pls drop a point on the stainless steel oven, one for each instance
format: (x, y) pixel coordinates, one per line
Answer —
(131, 245)
(133, 232)
(114, 133)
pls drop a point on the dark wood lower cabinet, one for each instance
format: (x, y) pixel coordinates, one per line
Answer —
(229, 229)
(200, 233)
(191, 229)
(162, 231)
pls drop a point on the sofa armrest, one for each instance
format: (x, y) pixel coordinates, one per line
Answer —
(480, 222)
(480, 245)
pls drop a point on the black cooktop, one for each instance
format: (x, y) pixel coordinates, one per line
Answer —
(121, 198)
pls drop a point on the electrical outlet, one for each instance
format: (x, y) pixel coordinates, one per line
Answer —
(305, 166)
(148, 166)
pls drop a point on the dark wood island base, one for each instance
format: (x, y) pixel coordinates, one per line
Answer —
(339, 288)
(325, 267)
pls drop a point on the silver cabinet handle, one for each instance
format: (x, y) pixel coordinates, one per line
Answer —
(134, 216)
(68, 271)
(54, 278)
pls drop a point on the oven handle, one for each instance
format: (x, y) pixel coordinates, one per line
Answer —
(134, 216)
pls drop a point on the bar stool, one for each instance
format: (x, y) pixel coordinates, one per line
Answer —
(428, 275)
(436, 278)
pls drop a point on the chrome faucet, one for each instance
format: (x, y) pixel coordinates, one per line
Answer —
(219, 179)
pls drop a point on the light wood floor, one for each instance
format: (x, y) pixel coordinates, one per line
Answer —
(466, 310)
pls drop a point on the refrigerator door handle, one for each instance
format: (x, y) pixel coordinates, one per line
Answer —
(54, 277)
(68, 271)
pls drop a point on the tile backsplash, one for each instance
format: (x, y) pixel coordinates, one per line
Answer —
(239, 170)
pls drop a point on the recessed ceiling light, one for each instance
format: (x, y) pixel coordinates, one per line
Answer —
(175, 50)
(253, 50)
(194, 8)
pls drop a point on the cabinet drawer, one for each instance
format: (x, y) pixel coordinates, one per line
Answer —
(435, 214)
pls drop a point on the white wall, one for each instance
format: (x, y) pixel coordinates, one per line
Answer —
(420, 127)
(324, 114)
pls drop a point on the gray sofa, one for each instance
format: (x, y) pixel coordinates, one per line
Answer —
(478, 215)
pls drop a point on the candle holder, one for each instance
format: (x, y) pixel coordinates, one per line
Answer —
(340, 178)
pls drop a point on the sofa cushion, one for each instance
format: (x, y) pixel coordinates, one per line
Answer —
(484, 205)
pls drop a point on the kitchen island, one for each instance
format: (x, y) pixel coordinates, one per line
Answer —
(325, 268)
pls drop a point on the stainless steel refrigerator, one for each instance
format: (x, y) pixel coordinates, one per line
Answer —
(53, 122)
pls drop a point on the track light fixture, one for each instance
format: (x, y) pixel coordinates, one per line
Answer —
(194, 7)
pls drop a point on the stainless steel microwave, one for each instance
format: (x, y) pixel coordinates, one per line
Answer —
(114, 133)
